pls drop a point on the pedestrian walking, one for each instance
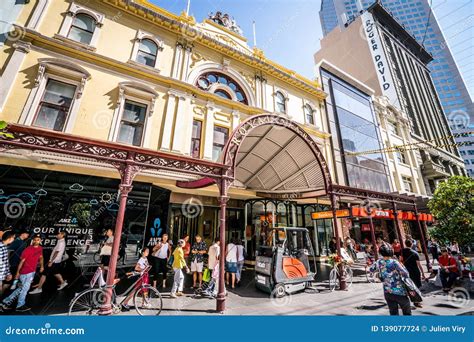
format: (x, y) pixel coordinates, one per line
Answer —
(160, 257)
(397, 248)
(198, 250)
(231, 263)
(5, 272)
(30, 258)
(213, 254)
(391, 272)
(106, 250)
(411, 261)
(54, 264)
(434, 249)
(178, 264)
(448, 269)
(16, 248)
(240, 261)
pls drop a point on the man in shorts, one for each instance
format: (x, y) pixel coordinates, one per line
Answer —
(54, 265)
(198, 250)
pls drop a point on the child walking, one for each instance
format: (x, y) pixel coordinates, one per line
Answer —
(178, 264)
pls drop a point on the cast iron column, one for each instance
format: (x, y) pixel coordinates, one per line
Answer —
(397, 224)
(342, 276)
(223, 198)
(372, 230)
(423, 240)
(127, 172)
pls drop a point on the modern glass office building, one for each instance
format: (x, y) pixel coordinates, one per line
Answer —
(413, 14)
(353, 128)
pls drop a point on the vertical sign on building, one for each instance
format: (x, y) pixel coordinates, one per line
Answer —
(380, 60)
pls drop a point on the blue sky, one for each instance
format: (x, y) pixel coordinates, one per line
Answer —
(289, 30)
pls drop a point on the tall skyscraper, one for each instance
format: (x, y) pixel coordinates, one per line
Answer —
(414, 15)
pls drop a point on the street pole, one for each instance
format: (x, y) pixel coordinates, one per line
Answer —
(127, 172)
(372, 231)
(397, 224)
(223, 199)
(342, 276)
(423, 240)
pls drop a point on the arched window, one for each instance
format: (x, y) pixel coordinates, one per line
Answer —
(222, 85)
(309, 114)
(82, 28)
(147, 52)
(280, 102)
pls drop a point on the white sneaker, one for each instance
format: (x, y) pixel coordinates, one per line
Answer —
(173, 295)
(36, 291)
(62, 286)
(147, 305)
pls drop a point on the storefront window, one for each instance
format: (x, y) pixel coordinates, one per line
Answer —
(45, 202)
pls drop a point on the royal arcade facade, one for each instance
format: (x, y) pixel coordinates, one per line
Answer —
(124, 115)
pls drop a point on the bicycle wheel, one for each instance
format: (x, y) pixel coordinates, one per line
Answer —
(148, 301)
(333, 279)
(88, 302)
(96, 258)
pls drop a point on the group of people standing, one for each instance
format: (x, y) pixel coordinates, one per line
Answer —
(20, 259)
(397, 264)
(187, 258)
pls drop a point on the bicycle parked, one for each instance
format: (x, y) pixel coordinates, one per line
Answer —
(147, 300)
(334, 275)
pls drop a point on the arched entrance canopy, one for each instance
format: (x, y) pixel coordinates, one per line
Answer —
(272, 155)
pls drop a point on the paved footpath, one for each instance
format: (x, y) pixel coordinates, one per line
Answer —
(362, 298)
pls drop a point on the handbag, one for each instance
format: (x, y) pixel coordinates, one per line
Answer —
(206, 275)
(412, 290)
(171, 260)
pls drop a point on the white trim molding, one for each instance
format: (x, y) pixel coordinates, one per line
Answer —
(11, 70)
(141, 35)
(227, 70)
(277, 90)
(38, 14)
(136, 92)
(63, 71)
(73, 11)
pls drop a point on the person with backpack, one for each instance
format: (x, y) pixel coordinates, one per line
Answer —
(448, 269)
(391, 273)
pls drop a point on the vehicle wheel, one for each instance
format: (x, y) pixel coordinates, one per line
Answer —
(279, 291)
(333, 279)
(88, 302)
(148, 301)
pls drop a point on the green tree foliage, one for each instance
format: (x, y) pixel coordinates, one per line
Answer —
(453, 207)
(3, 127)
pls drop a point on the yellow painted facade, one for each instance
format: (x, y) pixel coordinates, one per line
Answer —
(173, 100)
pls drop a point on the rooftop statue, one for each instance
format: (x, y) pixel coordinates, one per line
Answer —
(225, 20)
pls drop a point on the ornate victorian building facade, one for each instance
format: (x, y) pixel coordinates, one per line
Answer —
(134, 75)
